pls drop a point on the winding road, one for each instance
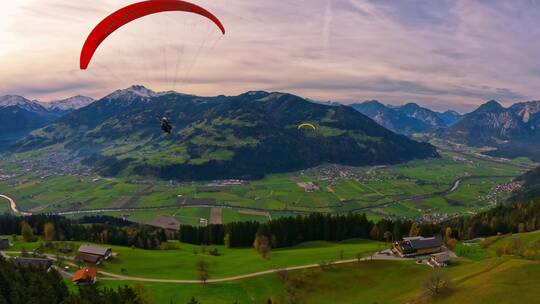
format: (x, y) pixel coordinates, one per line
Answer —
(13, 205)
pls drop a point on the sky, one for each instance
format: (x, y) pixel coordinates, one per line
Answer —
(443, 54)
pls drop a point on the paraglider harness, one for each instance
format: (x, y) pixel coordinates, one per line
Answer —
(166, 125)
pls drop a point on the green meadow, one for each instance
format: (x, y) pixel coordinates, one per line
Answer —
(479, 275)
(408, 190)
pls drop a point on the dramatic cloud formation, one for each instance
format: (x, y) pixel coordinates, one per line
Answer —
(444, 54)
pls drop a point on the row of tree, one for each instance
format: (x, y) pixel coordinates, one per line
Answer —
(286, 232)
(283, 232)
(510, 218)
(291, 231)
(106, 230)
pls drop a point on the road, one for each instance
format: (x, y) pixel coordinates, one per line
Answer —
(456, 185)
(13, 205)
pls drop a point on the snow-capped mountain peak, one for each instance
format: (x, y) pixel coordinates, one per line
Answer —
(72, 103)
(13, 100)
(21, 102)
(136, 91)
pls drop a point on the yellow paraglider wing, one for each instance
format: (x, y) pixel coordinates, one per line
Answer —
(307, 125)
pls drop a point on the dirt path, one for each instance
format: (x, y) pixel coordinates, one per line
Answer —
(117, 277)
(222, 280)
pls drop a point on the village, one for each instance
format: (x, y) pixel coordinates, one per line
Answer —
(333, 173)
(53, 164)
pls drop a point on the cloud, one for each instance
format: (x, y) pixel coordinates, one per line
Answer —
(446, 54)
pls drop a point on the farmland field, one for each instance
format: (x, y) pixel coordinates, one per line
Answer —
(457, 183)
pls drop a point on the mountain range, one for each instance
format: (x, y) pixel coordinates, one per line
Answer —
(133, 114)
(244, 136)
(514, 131)
(407, 119)
(19, 116)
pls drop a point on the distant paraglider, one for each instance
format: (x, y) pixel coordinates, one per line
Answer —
(307, 126)
(132, 12)
(166, 125)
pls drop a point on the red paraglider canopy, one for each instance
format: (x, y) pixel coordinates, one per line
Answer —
(132, 12)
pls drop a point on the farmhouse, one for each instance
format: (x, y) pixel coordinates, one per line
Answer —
(93, 254)
(85, 276)
(4, 244)
(32, 262)
(441, 259)
(415, 246)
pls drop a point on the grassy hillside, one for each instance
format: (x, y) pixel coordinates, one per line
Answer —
(245, 136)
(179, 264)
(480, 275)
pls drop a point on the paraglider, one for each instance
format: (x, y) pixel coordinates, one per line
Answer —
(307, 126)
(132, 12)
(166, 125)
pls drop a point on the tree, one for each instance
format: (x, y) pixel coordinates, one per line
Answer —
(227, 240)
(448, 233)
(388, 236)
(193, 301)
(415, 230)
(202, 269)
(451, 244)
(262, 245)
(143, 296)
(397, 230)
(27, 233)
(49, 232)
(375, 233)
(437, 283)
(521, 228)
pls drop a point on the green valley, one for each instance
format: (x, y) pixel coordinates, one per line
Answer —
(460, 182)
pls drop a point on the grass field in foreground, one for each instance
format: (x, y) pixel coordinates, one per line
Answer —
(254, 290)
(492, 280)
(180, 263)
(479, 276)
